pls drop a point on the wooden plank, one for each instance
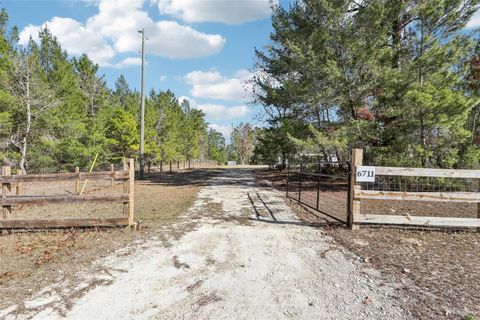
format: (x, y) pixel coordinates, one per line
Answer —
(62, 223)
(104, 175)
(418, 196)
(354, 204)
(9, 201)
(418, 221)
(427, 172)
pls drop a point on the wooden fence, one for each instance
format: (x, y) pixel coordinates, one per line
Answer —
(13, 196)
(171, 166)
(357, 195)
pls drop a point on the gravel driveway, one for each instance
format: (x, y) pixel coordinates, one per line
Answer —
(238, 253)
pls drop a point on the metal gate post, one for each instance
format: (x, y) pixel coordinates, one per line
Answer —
(349, 197)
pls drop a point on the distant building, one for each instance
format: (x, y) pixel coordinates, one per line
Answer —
(231, 163)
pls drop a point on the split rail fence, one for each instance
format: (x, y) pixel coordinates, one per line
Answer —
(20, 191)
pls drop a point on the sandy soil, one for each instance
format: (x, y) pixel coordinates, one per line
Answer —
(238, 253)
(438, 270)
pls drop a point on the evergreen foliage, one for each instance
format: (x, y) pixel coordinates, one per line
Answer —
(56, 112)
(397, 78)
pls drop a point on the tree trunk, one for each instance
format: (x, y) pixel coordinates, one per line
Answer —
(423, 139)
(396, 37)
(23, 160)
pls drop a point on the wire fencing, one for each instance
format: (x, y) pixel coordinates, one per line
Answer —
(323, 187)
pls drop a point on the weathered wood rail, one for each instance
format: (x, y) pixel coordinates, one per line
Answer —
(12, 195)
(357, 195)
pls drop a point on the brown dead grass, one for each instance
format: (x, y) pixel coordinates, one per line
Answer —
(438, 270)
(31, 261)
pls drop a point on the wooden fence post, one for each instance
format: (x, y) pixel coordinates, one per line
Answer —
(77, 181)
(112, 170)
(125, 186)
(19, 185)
(131, 191)
(170, 166)
(6, 189)
(354, 205)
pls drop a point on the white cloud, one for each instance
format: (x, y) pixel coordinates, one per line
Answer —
(212, 85)
(115, 28)
(120, 21)
(224, 11)
(128, 62)
(217, 111)
(202, 77)
(75, 38)
(225, 130)
(474, 21)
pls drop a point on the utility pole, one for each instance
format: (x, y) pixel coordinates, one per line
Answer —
(142, 111)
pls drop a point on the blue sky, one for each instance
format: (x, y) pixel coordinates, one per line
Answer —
(202, 50)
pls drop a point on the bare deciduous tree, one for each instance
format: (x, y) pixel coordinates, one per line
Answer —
(34, 96)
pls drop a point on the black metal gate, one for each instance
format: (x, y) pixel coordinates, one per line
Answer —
(323, 187)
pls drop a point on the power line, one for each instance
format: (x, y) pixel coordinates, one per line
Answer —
(142, 110)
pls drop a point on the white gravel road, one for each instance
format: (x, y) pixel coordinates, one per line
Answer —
(238, 253)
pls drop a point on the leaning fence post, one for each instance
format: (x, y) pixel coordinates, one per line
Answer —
(354, 187)
(6, 188)
(77, 181)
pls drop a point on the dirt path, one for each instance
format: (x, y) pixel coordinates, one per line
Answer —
(239, 253)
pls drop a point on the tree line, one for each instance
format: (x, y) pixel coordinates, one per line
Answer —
(398, 78)
(56, 112)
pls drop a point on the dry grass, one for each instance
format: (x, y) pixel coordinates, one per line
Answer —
(31, 261)
(438, 271)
